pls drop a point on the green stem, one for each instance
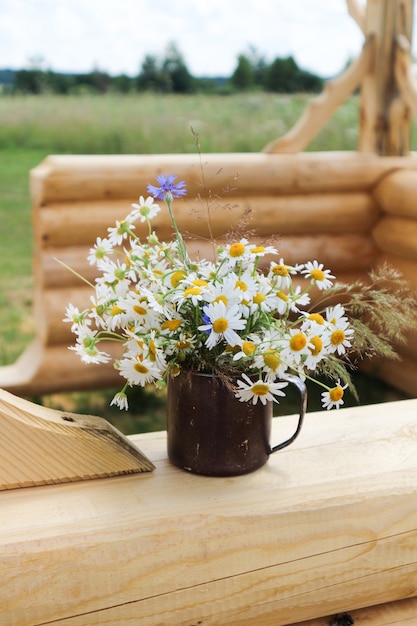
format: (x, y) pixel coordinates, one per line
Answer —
(181, 244)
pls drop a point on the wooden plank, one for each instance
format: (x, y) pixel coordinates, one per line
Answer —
(328, 525)
(81, 222)
(343, 253)
(104, 177)
(400, 613)
(40, 446)
(44, 369)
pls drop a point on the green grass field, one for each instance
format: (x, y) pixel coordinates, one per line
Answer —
(31, 127)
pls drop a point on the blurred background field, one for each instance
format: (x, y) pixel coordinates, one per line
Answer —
(32, 127)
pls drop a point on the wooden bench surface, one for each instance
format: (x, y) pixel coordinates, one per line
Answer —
(328, 525)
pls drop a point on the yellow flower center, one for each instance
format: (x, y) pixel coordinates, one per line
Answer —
(280, 270)
(241, 285)
(200, 283)
(316, 317)
(248, 347)
(337, 337)
(318, 345)
(221, 298)
(142, 369)
(317, 274)
(271, 359)
(192, 291)
(177, 277)
(282, 295)
(152, 350)
(220, 325)
(183, 344)
(140, 310)
(257, 249)
(298, 342)
(336, 393)
(236, 250)
(258, 298)
(116, 310)
(175, 370)
(171, 325)
(260, 389)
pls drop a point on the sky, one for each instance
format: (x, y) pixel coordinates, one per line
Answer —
(115, 35)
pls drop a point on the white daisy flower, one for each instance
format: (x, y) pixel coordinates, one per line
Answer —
(336, 315)
(121, 231)
(252, 391)
(296, 346)
(318, 350)
(280, 274)
(222, 322)
(137, 371)
(120, 400)
(333, 397)
(261, 251)
(297, 299)
(340, 332)
(236, 252)
(146, 209)
(319, 276)
(86, 347)
(76, 318)
(100, 250)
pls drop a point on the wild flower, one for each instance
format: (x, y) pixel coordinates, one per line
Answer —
(227, 316)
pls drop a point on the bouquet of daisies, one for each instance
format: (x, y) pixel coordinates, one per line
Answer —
(227, 317)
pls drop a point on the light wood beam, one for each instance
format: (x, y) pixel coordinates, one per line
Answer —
(321, 108)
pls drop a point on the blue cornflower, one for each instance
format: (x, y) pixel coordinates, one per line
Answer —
(168, 188)
(206, 321)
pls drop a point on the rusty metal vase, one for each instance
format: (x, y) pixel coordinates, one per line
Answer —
(211, 432)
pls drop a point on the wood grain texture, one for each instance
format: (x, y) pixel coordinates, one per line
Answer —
(328, 525)
(41, 446)
(81, 222)
(69, 178)
(399, 613)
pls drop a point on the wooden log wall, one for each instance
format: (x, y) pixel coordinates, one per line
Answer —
(316, 205)
(396, 237)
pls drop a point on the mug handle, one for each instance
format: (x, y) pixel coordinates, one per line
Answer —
(297, 382)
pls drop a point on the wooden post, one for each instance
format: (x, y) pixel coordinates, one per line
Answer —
(384, 113)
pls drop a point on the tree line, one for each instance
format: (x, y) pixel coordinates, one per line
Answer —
(170, 74)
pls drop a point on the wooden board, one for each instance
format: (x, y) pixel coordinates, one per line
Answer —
(40, 446)
(328, 525)
(400, 613)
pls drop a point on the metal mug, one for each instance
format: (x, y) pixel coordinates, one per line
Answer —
(210, 432)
